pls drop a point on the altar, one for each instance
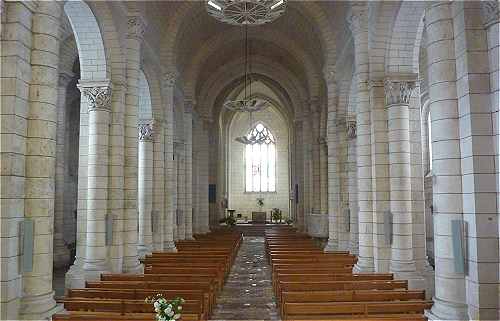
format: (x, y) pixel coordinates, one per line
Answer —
(259, 217)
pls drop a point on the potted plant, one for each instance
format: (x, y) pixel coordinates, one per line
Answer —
(276, 215)
(166, 310)
(289, 221)
(229, 221)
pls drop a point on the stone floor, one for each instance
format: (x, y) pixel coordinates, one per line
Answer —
(247, 294)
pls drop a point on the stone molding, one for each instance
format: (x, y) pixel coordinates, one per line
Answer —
(146, 131)
(351, 129)
(98, 94)
(170, 78)
(490, 12)
(398, 90)
(135, 27)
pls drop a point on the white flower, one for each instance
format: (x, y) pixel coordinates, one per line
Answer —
(179, 308)
(156, 304)
(171, 313)
(168, 309)
(177, 316)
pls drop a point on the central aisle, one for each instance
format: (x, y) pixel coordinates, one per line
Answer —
(248, 294)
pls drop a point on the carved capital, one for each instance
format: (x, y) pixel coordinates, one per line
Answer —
(170, 78)
(146, 131)
(357, 18)
(98, 95)
(329, 74)
(490, 12)
(136, 27)
(351, 129)
(398, 91)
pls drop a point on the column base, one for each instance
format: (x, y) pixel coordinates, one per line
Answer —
(443, 310)
(39, 307)
(169, 247)
(132, 265)
(331, 246)
(93, 269)
(74, 278)
(429, 276)
(363, 267)
(143, 250)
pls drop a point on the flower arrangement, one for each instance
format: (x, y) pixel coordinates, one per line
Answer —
(166, 310)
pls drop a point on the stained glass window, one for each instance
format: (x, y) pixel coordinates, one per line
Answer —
(260, 161)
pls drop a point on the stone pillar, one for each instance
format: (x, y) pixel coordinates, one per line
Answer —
(168, 83)
(449, 300)
(316, 154)
(203, 177)
(333, 172)
(61, 251)
(98, 97)
(358, 22)
(159, 206)
(145, 188)
(299, 174)
(38, 298)
(323, 164)
(352, 187)
(17, 19)
(188, 169)
(398, 91)
(181, 190)
(134, 39)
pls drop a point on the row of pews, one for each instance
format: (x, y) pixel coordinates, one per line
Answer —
(310, 284)
(196, 273)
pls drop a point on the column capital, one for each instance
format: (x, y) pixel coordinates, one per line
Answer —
(169, 78)
(329, 74)
(357, 18)
(351, 129)
(146, 130)
(136, 27)
(399, 88)
(490, 12)
(98, 94)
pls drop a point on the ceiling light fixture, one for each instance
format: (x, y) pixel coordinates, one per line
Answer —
(246, 12)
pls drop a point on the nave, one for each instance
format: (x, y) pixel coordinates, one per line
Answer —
(225, 276)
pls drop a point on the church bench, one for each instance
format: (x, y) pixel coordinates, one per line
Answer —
(217, 283)
(187, 261)
(213, 271)
(220, 267)
(310, 265)
(205, 287)
(321, 310)
(126, 306)
(350, 296)
(138, 294)
(316, 259)
(227, 257)
(329, 277)
(112, 316)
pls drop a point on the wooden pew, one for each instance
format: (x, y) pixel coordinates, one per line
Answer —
(322, 310)
(112, 316)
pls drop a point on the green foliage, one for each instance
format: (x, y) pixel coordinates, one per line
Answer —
(166, 310)
(276, 215)
(230, 221)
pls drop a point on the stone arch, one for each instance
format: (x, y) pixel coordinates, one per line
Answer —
(406, 33)
(314, 72)
(88, 40)
(145, 111)
(313, 11)
(263, 66)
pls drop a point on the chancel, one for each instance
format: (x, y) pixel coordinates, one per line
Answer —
(250, 160)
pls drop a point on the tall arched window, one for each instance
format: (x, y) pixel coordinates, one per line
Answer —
(260, 161)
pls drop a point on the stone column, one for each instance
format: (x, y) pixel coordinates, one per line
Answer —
(38, 297)
(203, 176)
(159, 206)
(333, 172)
(188, 169)
(181, 191)
(17, 19)
(449, 300)
(98, 96)
(353, 187)
(299, 173)
(307, 153)
(316, 163)
(168, 83)
(61, 251)
(398, 91)
(323, 163)
(134, 39)
(145, 188)
(358, 22)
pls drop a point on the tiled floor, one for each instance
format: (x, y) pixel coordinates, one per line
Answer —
(247, 294)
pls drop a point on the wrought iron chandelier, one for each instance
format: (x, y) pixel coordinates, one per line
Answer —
(246, 12)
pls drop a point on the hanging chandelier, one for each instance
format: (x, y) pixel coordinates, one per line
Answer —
(246, 12)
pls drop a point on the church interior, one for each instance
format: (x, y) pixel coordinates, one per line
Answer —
(249, 160)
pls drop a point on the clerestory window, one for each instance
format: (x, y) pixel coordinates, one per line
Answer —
(260, 161)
